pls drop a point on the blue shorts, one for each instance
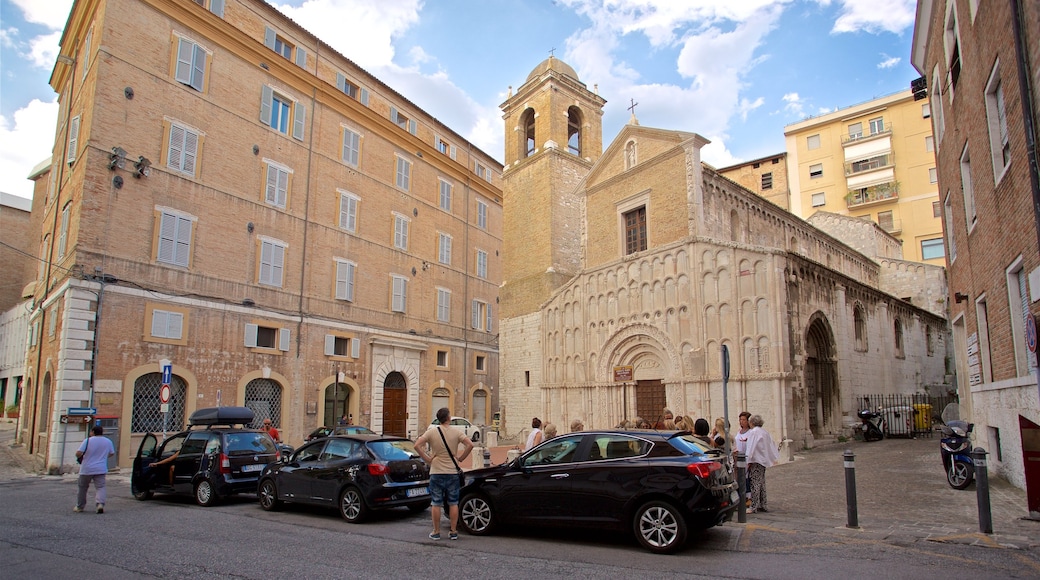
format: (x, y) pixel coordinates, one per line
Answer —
(442, 485)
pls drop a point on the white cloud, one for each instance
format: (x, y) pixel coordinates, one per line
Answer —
(889, 61)
(24, 143)
(43, 50)
(50, 13)
(794, 104)
(748, 106)
(875, 16)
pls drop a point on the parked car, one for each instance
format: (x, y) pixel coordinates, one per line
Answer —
(659, 485)
(353, 473)
(216, 457)
(338, 430)
(472, 431)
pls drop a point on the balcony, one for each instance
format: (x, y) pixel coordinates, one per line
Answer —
(858, 137)
(871, 164)
(873, 194)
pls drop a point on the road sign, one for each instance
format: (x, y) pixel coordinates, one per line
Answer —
(82, 411)
(73, 419)
(167, 373)
(1031, 332)
(164, 394)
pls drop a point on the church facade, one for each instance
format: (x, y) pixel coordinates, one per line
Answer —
(640, 257)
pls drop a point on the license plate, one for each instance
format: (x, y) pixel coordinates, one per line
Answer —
(417, 491)
(734, 496)
(255, 467)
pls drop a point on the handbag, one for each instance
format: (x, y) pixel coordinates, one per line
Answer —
(79, 458)
(461, 474)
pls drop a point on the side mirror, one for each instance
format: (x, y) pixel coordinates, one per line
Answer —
(970, 427)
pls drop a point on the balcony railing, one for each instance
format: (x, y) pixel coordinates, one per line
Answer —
(872, 164)
(880, 192)
(850, 139)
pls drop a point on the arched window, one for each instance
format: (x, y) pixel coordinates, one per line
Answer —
(527, 140)
(147, 417)
(479, 408)
(574, 130)
(264, 397)
(860, 320)
(899, 338)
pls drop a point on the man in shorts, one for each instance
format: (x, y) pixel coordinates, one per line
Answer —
(444, 478)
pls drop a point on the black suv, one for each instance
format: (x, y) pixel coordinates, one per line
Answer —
(216, 457)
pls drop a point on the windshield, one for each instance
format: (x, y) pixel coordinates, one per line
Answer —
(393, 450)
(249, 443)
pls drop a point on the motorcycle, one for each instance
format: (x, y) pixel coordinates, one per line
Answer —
(956, 448)
(873, 426)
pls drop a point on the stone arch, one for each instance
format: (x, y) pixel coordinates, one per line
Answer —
(823, 403)
(638, 343)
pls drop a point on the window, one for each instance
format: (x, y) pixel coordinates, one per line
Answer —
(482, 171)
(445, 147)
(482, 264)
(445, 201)
(167, 324)
(400, 232)
(939, 124)
(936, 209)
(933, 175)
(815, 170)
(929, 341)
(528, 142)
(278, 44)
(573, 130)
(635, 230)
(272, 261)
(884, 219)
(86, 51)
(968, 190)
(398, 293)
(812, 142)
(479, 363)
(926, 111)
(444, 249)
(182, 150)
(257, 336)
(877, 125)
(951, 45)
(191, 64)
(767, 180)
(929, 143)
(855, 131)
(337, 345)
(481, 315)
(996, 115)
(73, 146)
(898, 338)
(442, 358)
(351, 147)
(277, 189)
(948, 210)
(985, 353)
(1018, 317)
(404, 173)
(45, 257)
(819, 199)
(214, 6)
(351, 90)
(932, 249)
(280, 113)
(174, 239)
(860, 321)
(482, 215)
(345, 280)
(63, 235)
(443, 305)
(402, 120)
(348, 206)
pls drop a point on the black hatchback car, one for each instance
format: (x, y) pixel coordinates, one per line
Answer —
(353, 473)
(659, 484)
(216, 457)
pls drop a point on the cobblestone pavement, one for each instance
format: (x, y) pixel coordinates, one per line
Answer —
(901, 489)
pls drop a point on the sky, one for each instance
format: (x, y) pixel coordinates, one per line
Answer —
(733, 71)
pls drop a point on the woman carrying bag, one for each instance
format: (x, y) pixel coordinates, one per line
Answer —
(437, 447)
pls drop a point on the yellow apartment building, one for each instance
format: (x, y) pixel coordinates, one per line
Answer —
(874, 161)
(232, 199)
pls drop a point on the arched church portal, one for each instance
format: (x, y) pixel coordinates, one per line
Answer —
(821, 378)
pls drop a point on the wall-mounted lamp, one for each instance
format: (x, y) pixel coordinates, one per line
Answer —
(142, 167)
(248, 302)
(250, 227)
(117, 159)
(959, 297)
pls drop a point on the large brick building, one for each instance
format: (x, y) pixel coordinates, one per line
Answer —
(232, 197)
(640, 257)
(980, 63)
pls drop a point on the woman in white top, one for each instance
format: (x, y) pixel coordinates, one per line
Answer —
(536, 434)
(761, 453)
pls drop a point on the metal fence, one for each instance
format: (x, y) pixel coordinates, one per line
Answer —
(908, 415)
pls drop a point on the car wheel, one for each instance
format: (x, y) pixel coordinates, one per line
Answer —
(140, 495)
(269, 496)
(477, 515)
(659, 527)
(205, 495)
(352, 505)
(418, 507)
(960, 474)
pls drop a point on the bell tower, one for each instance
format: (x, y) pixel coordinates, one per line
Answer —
(553, 136)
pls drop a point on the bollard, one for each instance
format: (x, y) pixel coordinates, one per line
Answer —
(487, 457)
(741, 478)
(978, 456)
(850, 490)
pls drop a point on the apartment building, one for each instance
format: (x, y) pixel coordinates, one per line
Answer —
(875, 161)
(233, 202)
(979, 63)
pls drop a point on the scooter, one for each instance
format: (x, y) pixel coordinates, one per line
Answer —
(956, 448)
(873, 427)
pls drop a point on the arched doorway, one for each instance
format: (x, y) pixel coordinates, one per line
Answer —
(264, 397)
(337, 403)
(821, 378)
(395, 405)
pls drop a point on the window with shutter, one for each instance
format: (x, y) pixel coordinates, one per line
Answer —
(272, 261)
(351, 147)
(399, 294)
(183, 149)
(277, 189)
(348, 204)
(345, 280)
(174, 239)
(73, 146)
(191, 64)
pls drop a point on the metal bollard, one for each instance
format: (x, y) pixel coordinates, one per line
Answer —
(978, 456)
(741, 486)
(487, 457)
(850, 490)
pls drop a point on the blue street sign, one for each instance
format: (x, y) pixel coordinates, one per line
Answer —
(167, 371)
(81, 411)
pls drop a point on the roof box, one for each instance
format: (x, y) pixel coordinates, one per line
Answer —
(222, 416)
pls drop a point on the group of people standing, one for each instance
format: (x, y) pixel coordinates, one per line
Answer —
(544, 432)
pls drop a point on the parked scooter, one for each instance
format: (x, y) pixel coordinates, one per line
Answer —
(956, 448)
(873, 427)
